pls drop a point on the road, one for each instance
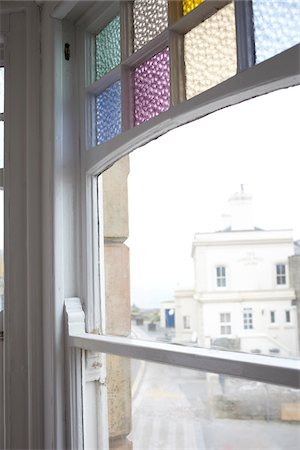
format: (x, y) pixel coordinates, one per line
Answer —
(171, 410)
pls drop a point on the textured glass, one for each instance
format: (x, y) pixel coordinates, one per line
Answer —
(152, 87)
(210, 52)
(150, 17)
(108, 113)
(108, 53)
(276, 26)
(189, 5)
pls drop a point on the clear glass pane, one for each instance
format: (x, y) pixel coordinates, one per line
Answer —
(152, 87)
(108, 53)
(189, 5)
(155, 406)
(1, 89)
(150, 18)
(108, 111)
(208, 195)
(210, 52)
(276, 26)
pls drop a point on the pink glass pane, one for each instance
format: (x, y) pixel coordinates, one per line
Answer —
(152, 87)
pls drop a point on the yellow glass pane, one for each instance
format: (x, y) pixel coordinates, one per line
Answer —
(189, 5)
(210, 52)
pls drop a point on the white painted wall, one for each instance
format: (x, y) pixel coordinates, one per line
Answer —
(250, 257)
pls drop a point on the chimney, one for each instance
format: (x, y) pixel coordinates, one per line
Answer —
(240, 207)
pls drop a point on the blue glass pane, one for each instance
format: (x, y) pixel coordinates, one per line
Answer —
(108, 113)
(276, 26)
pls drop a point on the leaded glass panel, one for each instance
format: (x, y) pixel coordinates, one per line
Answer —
(152, 87)
(276, 27)
(108, 53)
(189, 5)
(210, 52)
(150, 18)
(108, 113)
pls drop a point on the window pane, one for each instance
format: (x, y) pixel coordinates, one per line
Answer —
(189, 5)
(108, 110)
(210, 52)
(155, 406)
(175, 211)
(108, 53)
(150, 18)
(276, 26)
(152, 87)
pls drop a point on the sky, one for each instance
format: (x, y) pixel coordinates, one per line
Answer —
(180, 183)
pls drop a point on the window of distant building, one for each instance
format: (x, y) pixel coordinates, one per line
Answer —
(248, 318)
(221, 276)
(280, 274)
(272, 316)
(225, 319)
(186, 322)
(287, 316)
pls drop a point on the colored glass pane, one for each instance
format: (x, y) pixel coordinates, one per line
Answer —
(108, 53)
(210, 52)
(189, 5)
(108, 113)
(152, 87)
(149, 18)
(276, 27)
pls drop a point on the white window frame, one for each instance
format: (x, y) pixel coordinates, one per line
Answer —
(288, 316)
(272, 316)
(281, 278)
(248, 319)
(279, 72)
(187, 322)
(225, 324)
(221, 279)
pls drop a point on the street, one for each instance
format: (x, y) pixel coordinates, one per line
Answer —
(173, 409)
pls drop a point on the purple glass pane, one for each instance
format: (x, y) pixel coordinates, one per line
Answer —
(152, 87)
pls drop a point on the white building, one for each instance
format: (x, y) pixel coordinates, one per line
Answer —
(241, 290)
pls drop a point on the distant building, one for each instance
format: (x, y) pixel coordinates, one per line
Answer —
(242, 298)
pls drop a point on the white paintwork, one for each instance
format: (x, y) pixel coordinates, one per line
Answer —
(24, 406)
(258, 368)
(42, 172)
(250, 257)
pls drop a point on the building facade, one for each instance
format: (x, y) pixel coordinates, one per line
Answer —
(242, 297)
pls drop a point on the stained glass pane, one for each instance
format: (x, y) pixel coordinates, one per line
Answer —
(108, 53)
(152, 87)
(210, 52)
(189, 5)
(276, 26)
(150, 17)
(108, 113)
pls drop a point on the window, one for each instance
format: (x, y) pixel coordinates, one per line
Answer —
(221, 276)
(225, 319)
(272, 316)
(280, 274)
(287, 316)
(131, 109)
(186, 322)
(248, 318)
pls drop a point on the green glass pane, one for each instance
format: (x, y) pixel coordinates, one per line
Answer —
(108, 53)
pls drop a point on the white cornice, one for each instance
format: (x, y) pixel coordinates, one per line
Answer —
(245, 296)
